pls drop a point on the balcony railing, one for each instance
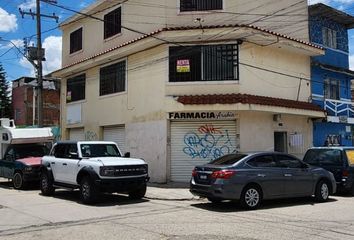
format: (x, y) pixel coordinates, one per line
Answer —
(339, 108)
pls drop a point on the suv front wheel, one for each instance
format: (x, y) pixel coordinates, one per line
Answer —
(88, 191)
(46, 184)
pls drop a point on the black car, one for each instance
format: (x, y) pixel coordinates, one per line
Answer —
(22, 163)
(252, 177)
(338, 160)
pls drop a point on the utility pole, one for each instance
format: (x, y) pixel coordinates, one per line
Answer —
(38, 54)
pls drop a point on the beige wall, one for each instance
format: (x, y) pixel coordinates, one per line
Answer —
(259, 82)
(145, 17)
(257, 131)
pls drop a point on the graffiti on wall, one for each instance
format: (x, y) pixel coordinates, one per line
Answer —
(208, 143)
(90, 136)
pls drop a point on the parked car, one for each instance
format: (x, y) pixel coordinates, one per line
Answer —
(338, 160)
(22, 162)
(93, 167)
(253, 177)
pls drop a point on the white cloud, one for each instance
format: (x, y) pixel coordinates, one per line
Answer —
(8, 21)
(52, 46)
(310, 2)
(27, 5)
(351, 62)
(327, 2)
(17, 42)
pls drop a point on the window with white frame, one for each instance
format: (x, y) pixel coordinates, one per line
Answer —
(203, 63)
(76, 88)
(329, 37)
(76, 41)
(112, 78)
(200, 5)
(332, 89)
(112, 23)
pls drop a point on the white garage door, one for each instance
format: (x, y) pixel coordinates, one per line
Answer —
(196, 143)
(76, 134)
(115, 134)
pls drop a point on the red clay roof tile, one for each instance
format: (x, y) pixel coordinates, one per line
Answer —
(246, 99)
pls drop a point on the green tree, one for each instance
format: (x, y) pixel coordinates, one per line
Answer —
(5, 101)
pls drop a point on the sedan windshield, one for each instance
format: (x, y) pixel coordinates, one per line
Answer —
(228, 159)
(99, 150)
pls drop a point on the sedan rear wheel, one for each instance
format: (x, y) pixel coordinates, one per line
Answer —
(251, 197)
(322, 191)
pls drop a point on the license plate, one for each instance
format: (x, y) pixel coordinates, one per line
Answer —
(203, 177)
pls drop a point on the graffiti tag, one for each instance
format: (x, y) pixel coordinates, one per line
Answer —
(91, 136)
(208, 143)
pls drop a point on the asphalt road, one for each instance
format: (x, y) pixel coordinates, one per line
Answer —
(28, 215)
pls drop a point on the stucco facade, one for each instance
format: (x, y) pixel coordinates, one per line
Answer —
(331, 85)
(172, 135)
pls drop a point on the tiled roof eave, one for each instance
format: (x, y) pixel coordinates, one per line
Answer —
(246, 99)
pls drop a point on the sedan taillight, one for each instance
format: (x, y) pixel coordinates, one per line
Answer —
(194, 172)
(223, 174)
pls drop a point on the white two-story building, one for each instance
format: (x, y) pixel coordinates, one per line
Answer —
(181, 82)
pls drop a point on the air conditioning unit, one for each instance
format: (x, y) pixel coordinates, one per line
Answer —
(277, 117)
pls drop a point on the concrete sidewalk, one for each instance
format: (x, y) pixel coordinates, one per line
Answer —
(170, 192)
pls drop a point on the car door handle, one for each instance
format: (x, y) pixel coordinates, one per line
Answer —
(52, 163)
(261, 175)
(64, 164)
(288, 175)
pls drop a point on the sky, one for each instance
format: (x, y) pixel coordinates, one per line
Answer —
(13, 28)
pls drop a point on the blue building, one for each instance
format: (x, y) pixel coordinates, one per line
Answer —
(331, 77)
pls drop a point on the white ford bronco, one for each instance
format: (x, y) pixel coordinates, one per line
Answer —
(94, 167)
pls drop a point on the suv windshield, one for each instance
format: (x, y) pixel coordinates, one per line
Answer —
(228, 159)
(324, 157)
(29, 150)
(99, 150)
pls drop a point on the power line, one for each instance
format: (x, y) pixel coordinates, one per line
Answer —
(178, 44)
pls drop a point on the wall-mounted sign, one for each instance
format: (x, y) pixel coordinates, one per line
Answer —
(343, 119)
(68, 96)
(183, 66)
(220, 115)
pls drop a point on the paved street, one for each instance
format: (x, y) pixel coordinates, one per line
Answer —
(168, 213)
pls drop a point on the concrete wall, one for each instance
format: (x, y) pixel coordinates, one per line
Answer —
(256, 81)
(148, 141)
(257, 131)
(22, 98)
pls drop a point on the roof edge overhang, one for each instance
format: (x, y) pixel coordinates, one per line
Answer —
(328, 67)
(336, 15)
(247, 102)
(192, 35)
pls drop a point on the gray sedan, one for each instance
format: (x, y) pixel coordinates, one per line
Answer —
(252, 177)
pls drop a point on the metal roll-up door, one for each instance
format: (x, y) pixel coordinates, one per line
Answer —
(196, 143)
(115, 134)
(76, 134)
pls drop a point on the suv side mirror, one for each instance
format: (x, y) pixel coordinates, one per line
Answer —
(127, 154)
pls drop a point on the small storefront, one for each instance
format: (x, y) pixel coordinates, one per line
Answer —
(199, 137)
